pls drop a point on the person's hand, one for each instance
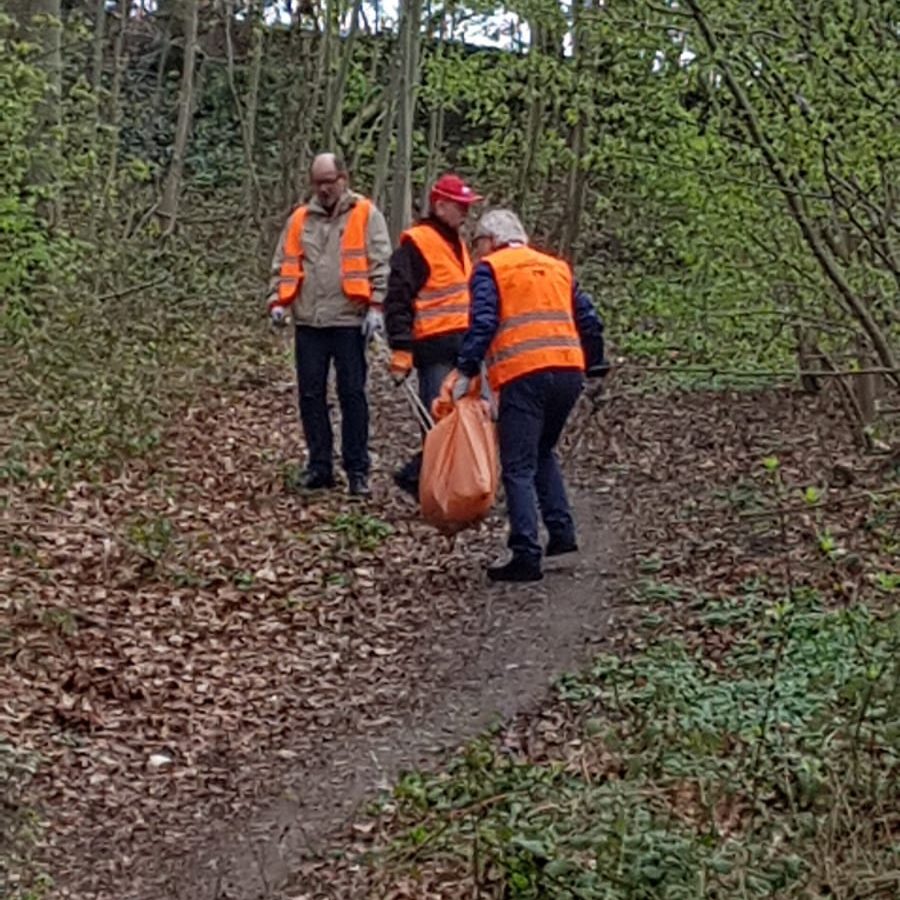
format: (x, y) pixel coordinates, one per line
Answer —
(401, 365)
(461, 386)
(277, 316)
(373, 324)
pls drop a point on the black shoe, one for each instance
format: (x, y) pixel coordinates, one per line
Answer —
(359, 485)
(560, 546)
(519, 568)
(405, 483)
(317, 481)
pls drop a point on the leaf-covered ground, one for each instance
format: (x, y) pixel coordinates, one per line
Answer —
(195, 653)
(193, 649)
(738, 736)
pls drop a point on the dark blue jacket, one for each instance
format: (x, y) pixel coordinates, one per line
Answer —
(484, 320)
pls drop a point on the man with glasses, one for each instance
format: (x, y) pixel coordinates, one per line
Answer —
(427, 305)
(331, 270)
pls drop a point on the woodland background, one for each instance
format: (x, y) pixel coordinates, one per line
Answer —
(725, 176)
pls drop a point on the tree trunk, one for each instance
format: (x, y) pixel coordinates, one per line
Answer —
(302, 111)
(99, 44)
(534, 123)
(401, 194)
(868, 385)
(808, 358)
(383, 151)
(32, 16)
(251, 182)
(575, 192)
(372, 112)
(435, 122)
(168, 207)
(575, 187)
(115, 105)
(291, 118)
(40, 23)
(322, 75)
(334, 104)
(165, 13)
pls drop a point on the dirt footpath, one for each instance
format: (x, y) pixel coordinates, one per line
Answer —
(475, 671)
(215, 669)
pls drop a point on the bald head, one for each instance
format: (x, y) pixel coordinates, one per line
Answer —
(329, 179)
(327, 164)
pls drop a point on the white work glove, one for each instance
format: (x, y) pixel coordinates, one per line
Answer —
(373, 324)
(276, 316)
(461, 387)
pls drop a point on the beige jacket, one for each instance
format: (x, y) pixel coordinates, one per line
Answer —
(322, 301)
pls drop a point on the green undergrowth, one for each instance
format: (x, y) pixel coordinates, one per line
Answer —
(20, 827)
(756, 758)
(98, 371)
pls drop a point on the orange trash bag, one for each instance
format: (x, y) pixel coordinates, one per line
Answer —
(458, 482)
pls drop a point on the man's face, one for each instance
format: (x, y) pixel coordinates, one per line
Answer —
(328, 184)
(451, 213)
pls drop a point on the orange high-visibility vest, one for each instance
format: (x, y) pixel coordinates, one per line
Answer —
(442, 305)
(354, 258)
(537, 329)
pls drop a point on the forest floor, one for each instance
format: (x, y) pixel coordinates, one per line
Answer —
(212, 674)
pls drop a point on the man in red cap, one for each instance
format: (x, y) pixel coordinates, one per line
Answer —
(426, 309)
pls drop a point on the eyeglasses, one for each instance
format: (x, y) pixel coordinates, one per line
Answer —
(325, 182)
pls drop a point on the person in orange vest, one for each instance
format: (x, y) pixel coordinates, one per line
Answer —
(427, 304)
(330, 269)
(538, 333)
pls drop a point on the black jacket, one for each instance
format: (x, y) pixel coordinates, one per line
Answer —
(409, 272)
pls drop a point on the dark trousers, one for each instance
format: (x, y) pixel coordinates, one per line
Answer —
(533, 413)
(430, 376)
(315, 349)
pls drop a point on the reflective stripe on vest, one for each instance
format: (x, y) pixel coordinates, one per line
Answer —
(354, 256)
(537, 328)
(442, 304)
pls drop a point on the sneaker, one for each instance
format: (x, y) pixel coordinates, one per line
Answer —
(560, 546)
(405, 483)
(318, 481)
(519, 568)
(359, 485)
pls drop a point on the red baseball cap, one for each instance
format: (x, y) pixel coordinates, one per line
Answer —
(452, 187)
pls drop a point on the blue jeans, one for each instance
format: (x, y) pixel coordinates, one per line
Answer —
(430, 378)
(315, 349)
(533, 413)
